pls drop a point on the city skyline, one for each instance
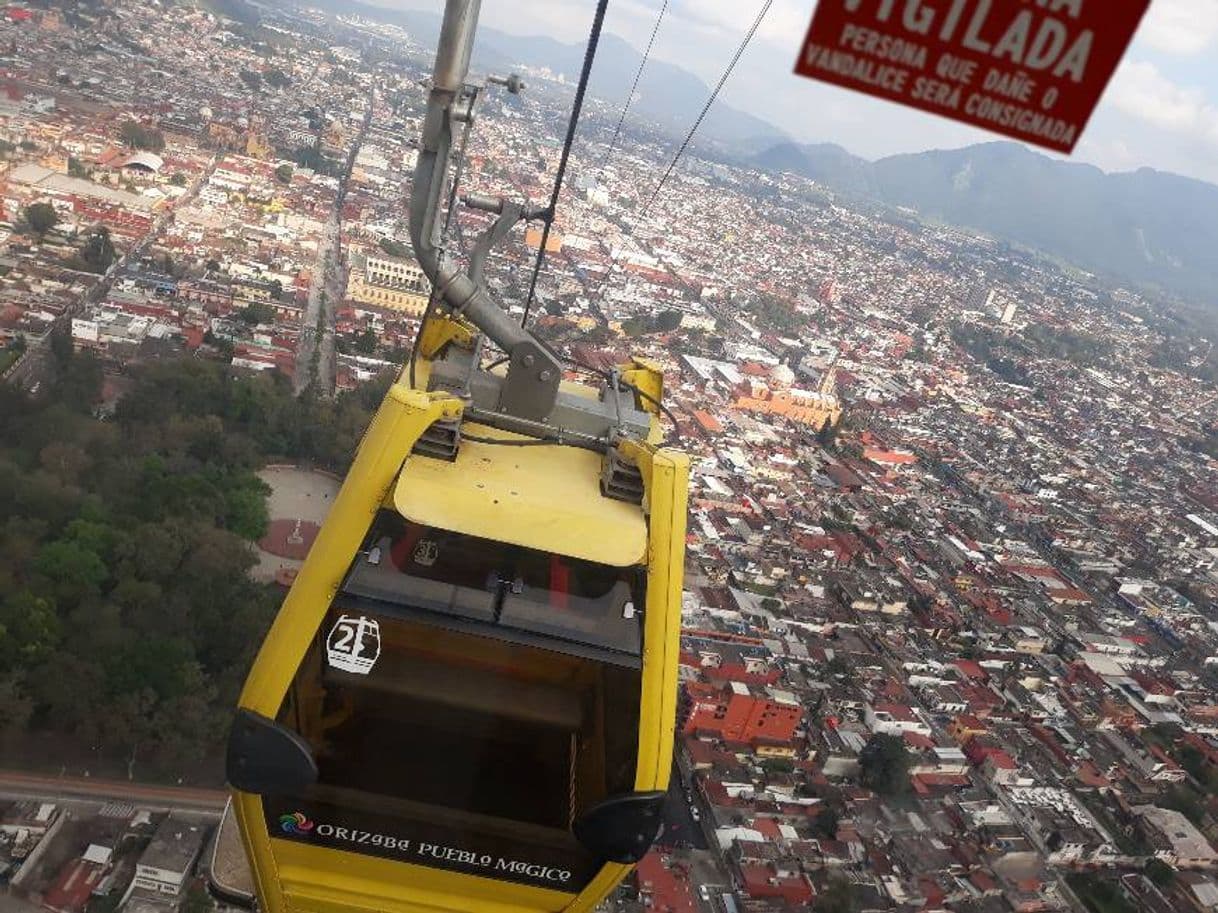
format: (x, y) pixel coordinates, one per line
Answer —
(1160, 110)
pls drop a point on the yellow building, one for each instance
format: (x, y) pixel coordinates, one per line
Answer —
(818, 408)
(257, 145)
(393, 283)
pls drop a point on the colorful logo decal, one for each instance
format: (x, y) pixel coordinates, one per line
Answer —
(295, 824)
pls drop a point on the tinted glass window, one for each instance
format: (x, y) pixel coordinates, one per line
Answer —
(445, 745)
(515, 589)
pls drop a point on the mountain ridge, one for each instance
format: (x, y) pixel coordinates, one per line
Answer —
(1145, 227)
(667, 93)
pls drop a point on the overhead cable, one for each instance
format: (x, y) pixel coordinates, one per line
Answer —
(635, 85)
(594, 37)
(765, 8)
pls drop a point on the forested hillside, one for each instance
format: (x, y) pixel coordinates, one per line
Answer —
(127, 620)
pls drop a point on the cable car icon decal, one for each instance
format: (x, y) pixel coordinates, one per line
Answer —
(354, 644)
(426, 553)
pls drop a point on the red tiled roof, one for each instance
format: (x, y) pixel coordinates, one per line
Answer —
(971, 669)
(741, 718)
(72, 888)
(707, 422)
(665, 888)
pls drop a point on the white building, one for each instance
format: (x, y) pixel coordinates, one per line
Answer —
(1177, 841)
(169, 859)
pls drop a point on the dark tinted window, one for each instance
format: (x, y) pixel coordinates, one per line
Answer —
(514, 588)
(451, 746)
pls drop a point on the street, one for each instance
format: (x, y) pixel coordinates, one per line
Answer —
(325, 291)
(680, 828)
(16, 785)
(328, 285)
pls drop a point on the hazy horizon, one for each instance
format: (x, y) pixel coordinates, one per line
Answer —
(1160, 110)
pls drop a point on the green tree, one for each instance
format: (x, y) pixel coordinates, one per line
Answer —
(98, 252)
(178, 179)
(836, 897)
(639, 325)
(827, 435)
(18, 707)
(252, 80)
(1100, 894)
(256, 313)
(283, 174)
(885, 764)
(667, 321)
(128, 619)
(1159, 872)
(73, 570)
(365, 342)
(394, 248)
(245, 508)
(825, 824)
(29, 629)
(198, 900)
(1185, 801)
(137, 136)
(41, 218)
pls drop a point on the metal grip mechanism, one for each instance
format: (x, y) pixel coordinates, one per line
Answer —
(530, 388)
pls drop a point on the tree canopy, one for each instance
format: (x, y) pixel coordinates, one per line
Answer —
(41, 217)
(1159, 872)
(394, 248)
(137, 136)
(127, 617)
(97, 253)
(256, 313)
(885, 764)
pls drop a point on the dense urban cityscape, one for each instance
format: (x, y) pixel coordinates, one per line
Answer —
(950, 621)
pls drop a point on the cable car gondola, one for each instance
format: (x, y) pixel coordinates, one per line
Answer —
(468, 697)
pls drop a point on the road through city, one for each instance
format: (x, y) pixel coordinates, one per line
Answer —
(14, 784)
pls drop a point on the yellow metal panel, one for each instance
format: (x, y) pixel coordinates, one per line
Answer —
(556, 507)
(403, 416)
(667, 479)
(608, 878)
(357, 882)
(646, 376)
(399, 421)
(545, 498)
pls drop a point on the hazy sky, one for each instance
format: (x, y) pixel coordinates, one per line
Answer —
(1161, 109)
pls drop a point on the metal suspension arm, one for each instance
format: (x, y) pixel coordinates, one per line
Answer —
(531, 386)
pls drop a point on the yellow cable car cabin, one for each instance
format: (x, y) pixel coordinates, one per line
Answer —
(467, 700)
(481, 716)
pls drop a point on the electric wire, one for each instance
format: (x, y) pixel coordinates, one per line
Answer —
(646, 209)
(594, 37)
(634, 85)
(765, 8)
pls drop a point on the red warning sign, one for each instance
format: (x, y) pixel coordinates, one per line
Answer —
(1031, 69)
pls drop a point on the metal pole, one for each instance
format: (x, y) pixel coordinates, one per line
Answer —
(455, 45)
(531, 386)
